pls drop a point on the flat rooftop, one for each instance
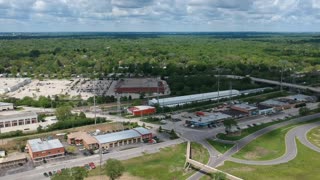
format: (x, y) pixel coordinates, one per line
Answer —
(117, 136)
(14, 115)
(6, 104)
(13, 157)
(138, 82)
(37, 145)
(273, 102)
(84, 136)
(210, 118)
(245, 106)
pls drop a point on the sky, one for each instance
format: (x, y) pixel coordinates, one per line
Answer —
(159, 15)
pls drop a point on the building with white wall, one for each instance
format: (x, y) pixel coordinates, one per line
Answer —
(5, 106)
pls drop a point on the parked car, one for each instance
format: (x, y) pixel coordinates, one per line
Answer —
(92, 165)
(50, 173)
(46, 174)
(87, 167)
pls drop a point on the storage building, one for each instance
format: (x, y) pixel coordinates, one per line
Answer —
(142, 110)
(245, 108)
(140, 85)
(181, 100)
(18, 119)
(83, 138)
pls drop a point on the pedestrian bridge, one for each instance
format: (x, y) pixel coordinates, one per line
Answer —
(203, 167)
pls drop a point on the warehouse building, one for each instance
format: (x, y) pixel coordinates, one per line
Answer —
(245, 108)
(19, 119)
(5, 106)
(181, 100)
(140, 85)
(44, 149)
(141, 110)
(136, 135)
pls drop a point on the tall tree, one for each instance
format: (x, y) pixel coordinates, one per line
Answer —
(63, 112)
(114, 168)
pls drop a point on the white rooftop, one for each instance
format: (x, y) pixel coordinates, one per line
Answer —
(117, 136)
(195, 97)
(142, 131)
(245, 106)
(9, 116)
(210, 118)
(37, 145)
(5, 104)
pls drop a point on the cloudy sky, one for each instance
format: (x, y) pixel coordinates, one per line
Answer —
(159, 15)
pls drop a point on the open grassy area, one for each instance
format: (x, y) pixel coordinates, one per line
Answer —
(166, 164)
(221, 147)
(314, 136)
(246, 132)
(268, 146)
(304, 166)
(199, 153)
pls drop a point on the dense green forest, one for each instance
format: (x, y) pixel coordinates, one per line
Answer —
(261, 55)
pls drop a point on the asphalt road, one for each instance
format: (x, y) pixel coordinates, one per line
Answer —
(246, 140)
(37, 173)
(291, 146)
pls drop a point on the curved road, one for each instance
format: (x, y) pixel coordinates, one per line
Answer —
(246, 140)
(291, 146)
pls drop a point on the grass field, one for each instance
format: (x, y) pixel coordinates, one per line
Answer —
(221, 147)
(304, 166)
(167, 164)
(246, 132)
(314, 136)
(268, 146)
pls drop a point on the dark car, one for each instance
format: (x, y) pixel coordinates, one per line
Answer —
(50, 173)
(46, 174)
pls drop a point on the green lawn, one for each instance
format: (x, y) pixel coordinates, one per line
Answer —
(221, 147)
(166, 164)
(268, 146)
(246, 132)
(199, 153)
(314, 136)
(304, 166)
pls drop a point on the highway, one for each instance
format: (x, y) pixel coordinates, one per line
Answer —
(267, 81)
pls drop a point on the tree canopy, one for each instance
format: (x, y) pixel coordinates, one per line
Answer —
(114, 168)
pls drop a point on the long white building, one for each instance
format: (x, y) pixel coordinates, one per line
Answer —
(25, 118)
(180, 100)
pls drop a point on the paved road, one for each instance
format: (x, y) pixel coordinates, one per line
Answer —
(246, 140)
(37, 173)
(291, 146)
(267, 81)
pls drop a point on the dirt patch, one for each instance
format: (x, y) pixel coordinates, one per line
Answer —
(242, 169)
(257, 153)
(125, 176)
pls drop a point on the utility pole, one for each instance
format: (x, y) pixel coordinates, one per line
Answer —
(218, 85)
(281, 79)
(94, 103)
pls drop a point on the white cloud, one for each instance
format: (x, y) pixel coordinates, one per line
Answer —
(168, 15)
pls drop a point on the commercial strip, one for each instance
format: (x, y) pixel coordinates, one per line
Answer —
(110, 140)
(44, 149)
(181, 100)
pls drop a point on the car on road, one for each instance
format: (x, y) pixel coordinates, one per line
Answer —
(45, 174)
(92, 165)
(50, 173)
